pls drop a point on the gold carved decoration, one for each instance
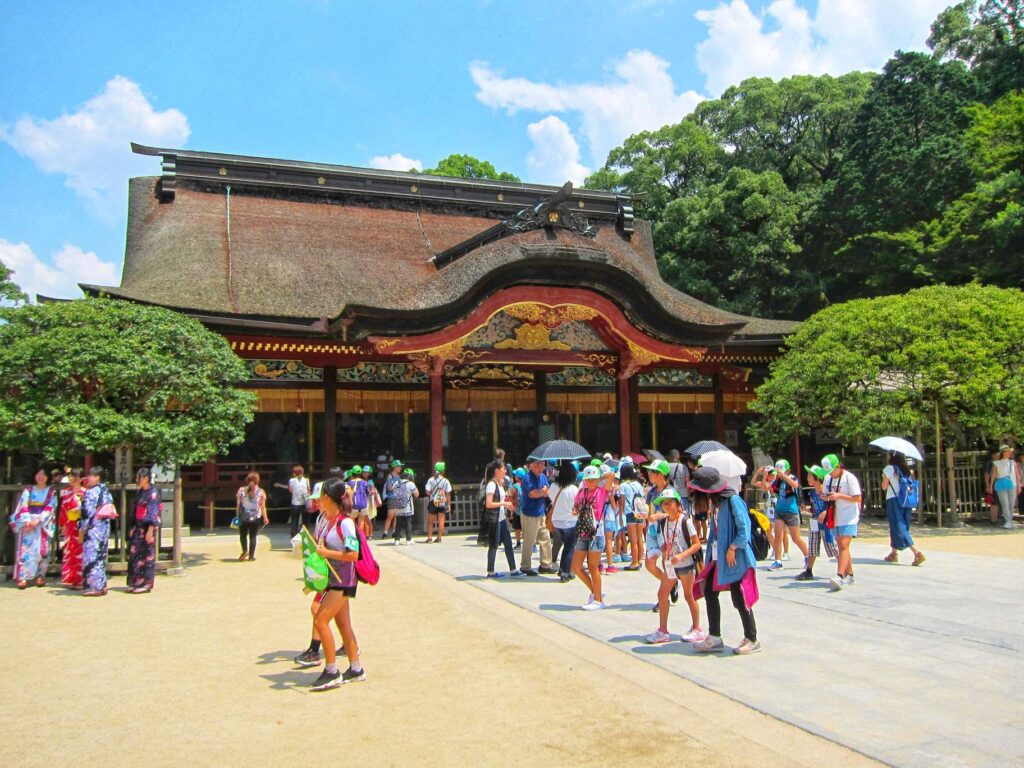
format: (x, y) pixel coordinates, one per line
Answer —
(604, 362)
(532, 336)
(383, 345)
(550, 317)
(641, 356)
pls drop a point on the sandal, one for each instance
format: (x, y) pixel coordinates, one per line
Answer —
(892, 557)
(22, 584)
(40, 582)
(241, 557)
(919, 559)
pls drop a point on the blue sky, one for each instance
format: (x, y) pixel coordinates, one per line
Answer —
(541, 89)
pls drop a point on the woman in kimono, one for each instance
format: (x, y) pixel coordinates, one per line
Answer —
(94, 532)
(142, 539)
(70, 514)
(33, 524)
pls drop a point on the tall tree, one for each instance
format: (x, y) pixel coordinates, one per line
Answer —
(90, 374)
(988, 36)
(8, 290)
(468, 167)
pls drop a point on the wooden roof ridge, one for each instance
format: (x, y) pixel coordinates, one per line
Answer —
(332, 180)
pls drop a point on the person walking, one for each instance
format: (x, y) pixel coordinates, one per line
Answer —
(817, 530)
(498, 510)
(298, 486)
(784, 486)
(70, 514)
(94, 532)
(610, 516)
(730, 562)
(439, 497)
(365, 519)
(394, 496)
(404, 515)
(842, 492)
(561, 520)
(589, 536)
(654, 540)
(251, 503)
(1005, 484)
(339, 545)
(33, 524)
(142, 539)
(535, 531)
(897, 471)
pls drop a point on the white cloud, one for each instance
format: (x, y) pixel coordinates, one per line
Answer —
(842, 36)
(90, 146)
(640, 97)
(60, 277)
(395, 162)
(555, 157)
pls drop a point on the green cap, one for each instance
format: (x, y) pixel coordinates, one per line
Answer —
(660, 466)
(347, 474)
(317, 491)
(830, 463)
(366, 468)
(408, 473)
(396, 463)
(596, 462)
(439, 467)
(591, 473)
(669, 494)
(817, 471)
(356, 470)
(782, 465)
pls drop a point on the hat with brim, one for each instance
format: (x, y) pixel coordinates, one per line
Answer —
(396, 463)
(318, 491)
(660, 466)
(669, 494)
(830, 463)
(706, 480)
(591, 473)
(1004, 447)
(817, 471)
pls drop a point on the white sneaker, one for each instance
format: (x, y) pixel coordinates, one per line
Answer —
(836, 582)
(410, 542)
(399, 543)
(593, 606)
(590, 599)
(746, 647)
(1008, 526)
(694, 636)
(785, 556)
(657, 637)
(848, 580)
(709, 644)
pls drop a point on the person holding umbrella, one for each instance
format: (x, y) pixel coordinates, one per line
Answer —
(899, 516)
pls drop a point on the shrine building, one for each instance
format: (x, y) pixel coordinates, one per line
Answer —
(432, 317)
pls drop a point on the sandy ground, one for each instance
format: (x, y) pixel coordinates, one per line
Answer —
(199, 672)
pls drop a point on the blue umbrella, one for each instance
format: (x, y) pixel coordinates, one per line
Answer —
(559, 450)
(705, 446)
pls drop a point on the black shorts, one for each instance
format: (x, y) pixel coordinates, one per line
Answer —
(346, 591)
(433, 509)
(517, 523)
(700, 516)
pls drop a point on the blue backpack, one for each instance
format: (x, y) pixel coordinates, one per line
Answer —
(907, 493)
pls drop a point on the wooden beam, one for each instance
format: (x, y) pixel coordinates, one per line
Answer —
(330, 448)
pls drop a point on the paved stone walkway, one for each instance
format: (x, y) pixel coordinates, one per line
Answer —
(911, 666)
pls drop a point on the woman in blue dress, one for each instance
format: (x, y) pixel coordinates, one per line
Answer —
(33, 525)
(94, 531)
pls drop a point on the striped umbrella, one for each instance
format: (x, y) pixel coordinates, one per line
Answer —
(559, 450)
(705, 446)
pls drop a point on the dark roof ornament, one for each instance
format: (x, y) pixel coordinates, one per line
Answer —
(553, 212)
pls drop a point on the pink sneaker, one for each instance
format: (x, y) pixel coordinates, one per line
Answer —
(693, 636)
(611, 569)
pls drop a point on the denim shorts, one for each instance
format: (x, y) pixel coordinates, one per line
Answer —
(611, 524)
(789, 518)
(682, 570)
(653, 543)
(846, 530)
(594, 544)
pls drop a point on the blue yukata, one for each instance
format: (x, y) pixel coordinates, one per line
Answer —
(97, 533)
(32, 545)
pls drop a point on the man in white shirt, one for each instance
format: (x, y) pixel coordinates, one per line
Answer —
(842, 490)
(298, 486)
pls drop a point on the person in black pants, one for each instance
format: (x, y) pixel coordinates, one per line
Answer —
(496, 510)
(252, 510)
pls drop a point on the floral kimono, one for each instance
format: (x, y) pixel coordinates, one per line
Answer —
(32, 545)
(70, 514)
(142, 554)
(97, 533)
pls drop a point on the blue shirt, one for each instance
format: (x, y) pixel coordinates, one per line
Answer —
(532, 482)
(785, 501)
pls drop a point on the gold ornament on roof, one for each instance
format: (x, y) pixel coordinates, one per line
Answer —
(532, 336)
(548, 316)
(641, 356)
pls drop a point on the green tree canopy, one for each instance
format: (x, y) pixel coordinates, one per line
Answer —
(988, 36)
(88, 375)
(881, 366)
(8, 290)
(468, 167)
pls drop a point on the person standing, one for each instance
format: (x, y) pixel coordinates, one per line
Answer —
(70, 514)
(1005, 483)
(816, 527)
(252, 511)
(898, 515)
(629, 490)
(682, 551)
(589, 536)
(842, 491)
(33, 526)
(679, 474)
(298, 486)
(535, 491)
(784, 486)
(404, 515)
(610, 516)
(394, 496)
(142, 539)
(730, 562)
(339, 544)
(439, 496)
(498, 508)
(365, 518)
(561, 520)
(94, 533)
(654, 540)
